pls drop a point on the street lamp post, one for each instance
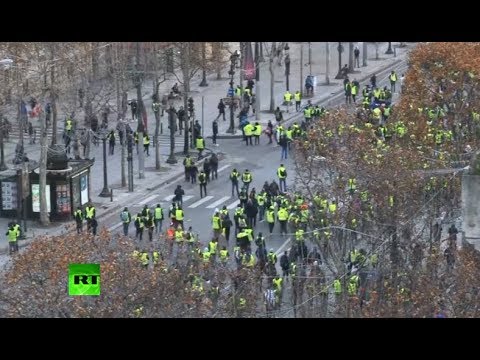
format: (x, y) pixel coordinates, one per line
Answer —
(171, 122)
(340, 50)
(130, 160)
(231, 72)
(287, 65)
(389, 50)
(105, 191)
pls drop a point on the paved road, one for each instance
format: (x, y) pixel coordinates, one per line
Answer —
(261, 160)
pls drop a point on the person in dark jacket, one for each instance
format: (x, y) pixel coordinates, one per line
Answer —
(207, 168)
(221, 110)
(227, 224)
(285, 264)
(214, 166)
(214, 132)
(179, 192)
(251, 210)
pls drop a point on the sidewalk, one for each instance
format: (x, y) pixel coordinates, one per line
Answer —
(215, 90)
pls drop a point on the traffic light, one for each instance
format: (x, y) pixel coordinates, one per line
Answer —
(191, 107)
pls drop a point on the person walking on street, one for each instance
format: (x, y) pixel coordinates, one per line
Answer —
(139, 225)
(150, 225)
(278, 115)
(126, 218)
(298, 101)
(270, 218)
(202, 180)
(207, 168)
(283, 142)
(214, 132)
(348, 93)
(221, 109)
(89, 215)
(269, 131)
(356, 53)
(214, 166)
(373, 81)
(179, 192)
(193, 174)
(282, 177)
(79, 219)
(226, 225)
(234, 175)
(187, 163)
(146, 143)
(133, 106)
(94, 226)
(393, 81)
(246, 179)
(285, 264)
(158, 217)
(200, 145)
(12, 235)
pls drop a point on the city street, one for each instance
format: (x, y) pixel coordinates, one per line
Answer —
(232, 149)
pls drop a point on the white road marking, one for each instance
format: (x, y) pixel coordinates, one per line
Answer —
(187, 197)
(233, 205)
(200, 202)
(111, 228)
(280, 249)
(223, 168)
(169, 198)
(147, 200)
(218, 202)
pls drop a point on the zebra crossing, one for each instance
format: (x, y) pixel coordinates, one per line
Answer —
(189, 202)
(163, 139)
(193, 201)
(209, 202)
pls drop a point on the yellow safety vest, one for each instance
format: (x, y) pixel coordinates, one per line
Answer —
(200, 143)
(90, 212)
(179, 214)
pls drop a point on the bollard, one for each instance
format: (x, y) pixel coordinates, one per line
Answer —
(111, 195)
(161, 128)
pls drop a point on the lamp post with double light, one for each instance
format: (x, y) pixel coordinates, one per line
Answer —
(233, 63)
(103, 134)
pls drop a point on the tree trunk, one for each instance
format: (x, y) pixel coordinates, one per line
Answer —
(327, 64)
(186, 85)
(44, 219)
(350, 57)
(257, 81)
(301, 69)
(272, 84)
(53, 96)
(364, 55)
(140, 112)
(240, 73)
(110, 71)
(120, 117)
(217, 55)
(95, 64)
